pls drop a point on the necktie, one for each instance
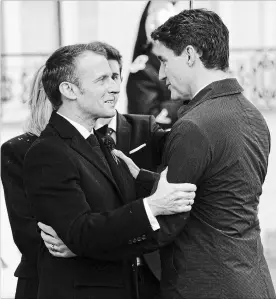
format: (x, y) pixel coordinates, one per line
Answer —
(108, 141)
(92, 140)
(102, 130)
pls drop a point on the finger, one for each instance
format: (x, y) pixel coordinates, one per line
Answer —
(56, 253)
(188, 202)
(186, 187)
(48, 245)
(49, 239)
(47, 229)
(182, 195)
(61, 254)
(184, 209)
(189, 195)
(120, 155)
(63, 249)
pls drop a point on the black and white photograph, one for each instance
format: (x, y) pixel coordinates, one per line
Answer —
(138, 149)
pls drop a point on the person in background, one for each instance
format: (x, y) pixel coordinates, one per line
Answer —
(23, 225)
(145, 92)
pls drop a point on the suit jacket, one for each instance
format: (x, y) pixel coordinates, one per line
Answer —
(67, 181)
(220, 143)
(133, 131)
(23, 225)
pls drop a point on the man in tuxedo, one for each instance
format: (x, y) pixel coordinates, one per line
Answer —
(77, 186)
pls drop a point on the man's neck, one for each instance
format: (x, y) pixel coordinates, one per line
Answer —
(207, 77)
(85, 121)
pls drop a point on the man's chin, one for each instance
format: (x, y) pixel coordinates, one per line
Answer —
(176, 96)
(108, 114)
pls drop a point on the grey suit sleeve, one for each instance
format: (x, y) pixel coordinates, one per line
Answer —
(188, 155)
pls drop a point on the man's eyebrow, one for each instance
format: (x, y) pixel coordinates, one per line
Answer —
(104, 76)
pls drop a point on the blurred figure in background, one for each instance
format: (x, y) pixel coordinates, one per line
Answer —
(146, 93)
(23, 225)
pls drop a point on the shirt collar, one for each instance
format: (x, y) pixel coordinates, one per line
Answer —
(224, 87)
(111, 122)
(82, 130)
(198, 91)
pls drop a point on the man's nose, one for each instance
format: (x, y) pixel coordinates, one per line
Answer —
(113, 86)
(162, 75)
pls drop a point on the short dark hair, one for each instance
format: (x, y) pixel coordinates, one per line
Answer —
(60, 67)
(111, 52)
(200, 28)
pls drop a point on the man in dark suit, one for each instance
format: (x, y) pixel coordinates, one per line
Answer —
(221, 143)
(139, 137)
(77, 186)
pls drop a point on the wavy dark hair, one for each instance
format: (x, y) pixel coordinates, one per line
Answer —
(200, 28)
(60, 67)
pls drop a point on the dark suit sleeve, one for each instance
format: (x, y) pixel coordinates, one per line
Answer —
(146, 179)
(23, 225)
(53, 186)
(188, 156)
(157, 142)
(143, 94)
(144, 182)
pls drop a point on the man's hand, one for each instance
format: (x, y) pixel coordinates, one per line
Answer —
(54, 244)
(133, 168)
(170, 198)
(162, 117)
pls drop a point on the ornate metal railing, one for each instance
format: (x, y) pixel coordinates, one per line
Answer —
(17, 71)
(256, 72)
(254, 68)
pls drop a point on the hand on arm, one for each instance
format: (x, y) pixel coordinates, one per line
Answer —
(171, 199)
(54, 244)
(133, 168)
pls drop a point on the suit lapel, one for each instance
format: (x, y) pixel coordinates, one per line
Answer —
(74, 139)
(123, 134)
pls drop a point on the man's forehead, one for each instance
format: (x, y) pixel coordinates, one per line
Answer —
(92, 62)
(114, 65)
(160, 49)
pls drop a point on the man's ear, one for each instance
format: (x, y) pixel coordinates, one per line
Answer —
(68, 90)
(191, 55)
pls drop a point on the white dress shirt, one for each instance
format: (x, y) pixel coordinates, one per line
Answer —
(112, 124)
